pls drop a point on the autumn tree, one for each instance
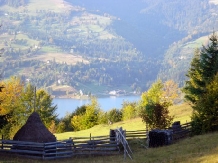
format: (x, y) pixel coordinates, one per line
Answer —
(155, 102)
(18, 103)
(11, 110)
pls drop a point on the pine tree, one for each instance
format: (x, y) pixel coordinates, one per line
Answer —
(198, 89)
(204, 67)
(195, 84)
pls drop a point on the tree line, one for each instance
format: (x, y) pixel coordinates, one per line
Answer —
(104, 73)
(160, 96)
(19, 100)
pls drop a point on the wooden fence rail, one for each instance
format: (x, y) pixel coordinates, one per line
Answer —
(62, 149)
(99, 145)
(136, 134)
(177, 133)
(38, 150)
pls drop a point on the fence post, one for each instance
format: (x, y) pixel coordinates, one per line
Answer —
(2, 141)
(43, 155)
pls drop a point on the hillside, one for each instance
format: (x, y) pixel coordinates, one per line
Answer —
(202, 148)
(100, 46)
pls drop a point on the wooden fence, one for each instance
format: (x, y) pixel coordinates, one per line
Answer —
(142, 134)
(102, 145)
(177, 133)
(98, 145)
(59, 149)
(181, 132)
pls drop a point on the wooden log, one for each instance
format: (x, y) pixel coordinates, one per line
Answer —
(58, 153)
(98, 153)
(97, 149)
(145, 131)
(27, 152)
(22, 142)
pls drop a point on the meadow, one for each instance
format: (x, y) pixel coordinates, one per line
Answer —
(198, 149)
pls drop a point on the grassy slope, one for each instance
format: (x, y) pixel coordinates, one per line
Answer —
(180, 112)
(203, 148)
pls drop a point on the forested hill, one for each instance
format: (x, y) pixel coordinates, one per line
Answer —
(98, 46)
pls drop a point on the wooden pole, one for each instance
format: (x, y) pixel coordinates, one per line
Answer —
(34, 99)
(2, 141)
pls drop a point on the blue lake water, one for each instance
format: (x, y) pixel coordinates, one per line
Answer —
(106, 103)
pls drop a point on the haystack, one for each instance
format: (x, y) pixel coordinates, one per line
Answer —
(34, 131)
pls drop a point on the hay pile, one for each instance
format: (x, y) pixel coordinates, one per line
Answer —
(34, 131)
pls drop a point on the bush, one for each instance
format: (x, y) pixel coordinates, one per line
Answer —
(156, 115)
(114, 115)
(129, 110)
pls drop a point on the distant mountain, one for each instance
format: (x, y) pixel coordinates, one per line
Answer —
(99, 46)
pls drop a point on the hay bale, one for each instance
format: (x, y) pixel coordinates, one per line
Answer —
(34, 131)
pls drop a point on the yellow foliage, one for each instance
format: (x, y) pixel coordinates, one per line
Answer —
(10, 94)
(76, 122)
(170, 90)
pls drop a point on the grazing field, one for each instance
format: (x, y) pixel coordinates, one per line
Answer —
(59, 58)
(198, 42)
(198, 149)
(180, 112)
(52, 5)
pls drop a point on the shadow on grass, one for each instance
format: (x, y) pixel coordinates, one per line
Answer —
(202, 148)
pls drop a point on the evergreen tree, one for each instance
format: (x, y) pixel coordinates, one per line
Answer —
(41, 102)
(198, 89)
(204, 67)
(194, 86)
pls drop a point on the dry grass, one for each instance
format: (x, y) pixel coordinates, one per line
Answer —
(52, 5)
(214, 2)
(59, 58)
(60, 6)
(181, 112)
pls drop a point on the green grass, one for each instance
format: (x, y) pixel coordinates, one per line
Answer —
(197, 149)
(25, 37)
(197, 43)
(50, 49)
(180, 112)
(95, 28)
(100, 130)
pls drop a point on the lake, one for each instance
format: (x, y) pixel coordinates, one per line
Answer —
(106, 103)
